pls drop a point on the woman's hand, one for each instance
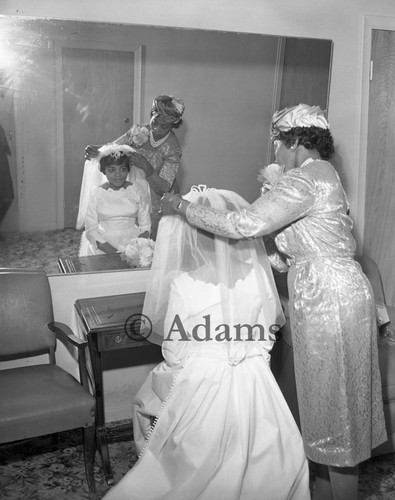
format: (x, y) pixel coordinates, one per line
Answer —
(266, 187)
(91, 152)
(139, 161)
(106, 247)
(169, 203)
(387, 334)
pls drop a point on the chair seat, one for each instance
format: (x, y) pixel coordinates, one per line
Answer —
(42, 399)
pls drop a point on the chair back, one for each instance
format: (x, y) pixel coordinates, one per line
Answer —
(371, 271)
(25, 311)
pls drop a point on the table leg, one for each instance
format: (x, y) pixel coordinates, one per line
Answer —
(105, 457)
(101, 433)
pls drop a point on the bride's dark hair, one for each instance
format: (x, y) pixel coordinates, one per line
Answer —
(122, 160)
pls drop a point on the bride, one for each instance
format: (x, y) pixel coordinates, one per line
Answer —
(115, 202)
(210, 421)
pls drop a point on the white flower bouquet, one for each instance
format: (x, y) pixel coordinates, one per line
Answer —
(139, 135)
(139, 252)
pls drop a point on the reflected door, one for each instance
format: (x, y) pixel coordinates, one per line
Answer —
(379, 229)
(10, 221)
(303, 75)
(306, 70)
(97, 93)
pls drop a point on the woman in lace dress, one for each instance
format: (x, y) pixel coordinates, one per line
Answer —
(116, 211)
(159, 154)
(332, 310)
(210, 421)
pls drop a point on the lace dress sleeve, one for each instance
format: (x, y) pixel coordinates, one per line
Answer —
(291, 199)
(125, 138)
(276, 258)
(162, 181)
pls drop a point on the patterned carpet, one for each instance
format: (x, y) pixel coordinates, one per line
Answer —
(38, 469)
(38, 250)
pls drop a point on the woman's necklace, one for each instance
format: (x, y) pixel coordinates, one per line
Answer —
(154, 143)
(309, 160)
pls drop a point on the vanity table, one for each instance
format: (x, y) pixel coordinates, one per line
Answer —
(92, 263)
(111, 323)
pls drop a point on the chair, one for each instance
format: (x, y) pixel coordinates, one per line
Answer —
(282, 361)
(40, 399)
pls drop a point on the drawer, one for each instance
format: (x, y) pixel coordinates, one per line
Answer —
(118, 339)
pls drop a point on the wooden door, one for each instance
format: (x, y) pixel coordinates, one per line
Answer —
(379, 229)
(303, 75)
(10, 222)
(97, 89)
(306, 71)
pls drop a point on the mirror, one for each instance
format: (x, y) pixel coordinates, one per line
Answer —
(66, 84)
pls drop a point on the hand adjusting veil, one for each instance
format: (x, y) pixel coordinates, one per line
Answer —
(224, 263)
(92, 177)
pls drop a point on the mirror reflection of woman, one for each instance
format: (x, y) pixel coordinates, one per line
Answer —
(332, 309)
(159, 157)
(116, 211)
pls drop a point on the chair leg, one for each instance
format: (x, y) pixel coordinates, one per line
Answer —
(55, 439)
(89, 455)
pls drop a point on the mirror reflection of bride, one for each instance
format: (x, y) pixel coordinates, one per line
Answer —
(156, 150)
(115, 212)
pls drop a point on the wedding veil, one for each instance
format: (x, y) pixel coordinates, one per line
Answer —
(92, 177)
(184, 249)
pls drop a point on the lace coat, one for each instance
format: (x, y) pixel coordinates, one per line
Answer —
(332, 310)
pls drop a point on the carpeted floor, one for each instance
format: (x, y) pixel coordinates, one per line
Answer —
(38, 250)
(38, 469)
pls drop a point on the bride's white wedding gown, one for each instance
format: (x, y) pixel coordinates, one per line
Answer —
(223, 429)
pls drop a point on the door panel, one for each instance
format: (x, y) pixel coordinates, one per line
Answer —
(379, 229)
(306, 73)
(97, 88)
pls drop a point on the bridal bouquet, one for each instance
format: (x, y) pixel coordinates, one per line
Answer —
(139, 252)
(139, 135)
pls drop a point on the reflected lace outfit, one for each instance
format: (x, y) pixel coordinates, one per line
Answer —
(223, 428)
(116, 217)
(332, 310)
(165, 160)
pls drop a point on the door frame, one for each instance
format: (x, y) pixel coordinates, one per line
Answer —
(138, 104)
(370, 23)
